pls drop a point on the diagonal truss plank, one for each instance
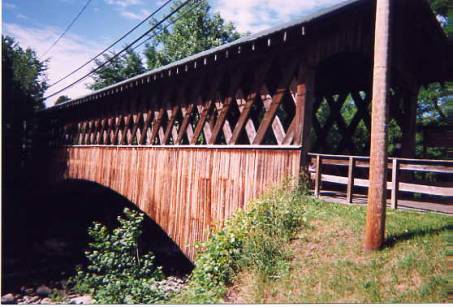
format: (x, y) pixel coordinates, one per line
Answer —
(245, 106)
(185, 128)
(204, 109)
(234, 83)
(277, 127)
(147, 117)
(244, 122)
(276, 100)
(158, 117)
(172, 113)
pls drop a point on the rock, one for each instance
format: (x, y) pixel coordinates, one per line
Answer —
(46, 301)
(31, 299)
(8, 299)
(28, 291)
(79, 300)
(43, 291)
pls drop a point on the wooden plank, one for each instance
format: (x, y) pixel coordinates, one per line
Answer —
(318, 176)
(276, 100)
(234, 83)
(245, 106)
(204, 109)
(204, 186)
(395, 183)
(171, 121)
(277, 127)
(403, 186)
(350, 187)
(187, 112)
(244, 122)
(159, 115)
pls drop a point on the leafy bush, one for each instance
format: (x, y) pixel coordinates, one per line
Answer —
(252, 239)
(116, 273)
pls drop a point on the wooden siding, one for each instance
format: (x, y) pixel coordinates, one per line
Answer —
(185, 190)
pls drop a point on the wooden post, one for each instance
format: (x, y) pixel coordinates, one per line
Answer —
(304, 109)
(395, 182)
(375, 220)
(318, 175)
(350, 179)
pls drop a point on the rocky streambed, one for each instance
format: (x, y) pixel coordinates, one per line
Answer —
(59, 293)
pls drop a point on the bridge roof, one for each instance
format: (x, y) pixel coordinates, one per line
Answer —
(183, 64)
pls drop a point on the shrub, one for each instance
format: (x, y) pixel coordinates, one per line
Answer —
(116, 272)
(252, 239)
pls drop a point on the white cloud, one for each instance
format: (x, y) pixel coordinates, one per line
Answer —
(22, 16)
(136, 16)
(71, 52)
(123, 3)
(9, 6)
(256, 15)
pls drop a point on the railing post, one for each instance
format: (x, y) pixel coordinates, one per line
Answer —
(318, 175)
(395, 183)
(350, 179)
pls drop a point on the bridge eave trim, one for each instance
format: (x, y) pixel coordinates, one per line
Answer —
(251, 147)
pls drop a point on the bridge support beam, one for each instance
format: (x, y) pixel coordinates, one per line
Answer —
(304, 109)
(375, 220)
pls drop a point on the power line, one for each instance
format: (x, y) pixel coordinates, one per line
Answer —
(124, 49)
(113, 44)
(68, 27)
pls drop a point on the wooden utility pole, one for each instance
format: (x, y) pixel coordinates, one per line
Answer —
(375, 220)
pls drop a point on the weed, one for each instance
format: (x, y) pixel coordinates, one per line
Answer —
(117, 273)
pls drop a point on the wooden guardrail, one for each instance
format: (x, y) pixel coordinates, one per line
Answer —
(396, 165)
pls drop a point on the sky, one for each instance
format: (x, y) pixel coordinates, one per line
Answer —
(38, 23)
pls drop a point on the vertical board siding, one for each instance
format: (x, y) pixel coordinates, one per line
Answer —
(185, 190)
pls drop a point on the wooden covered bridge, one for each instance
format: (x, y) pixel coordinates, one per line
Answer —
(191, 142)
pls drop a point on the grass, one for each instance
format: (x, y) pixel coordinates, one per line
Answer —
(328, 264)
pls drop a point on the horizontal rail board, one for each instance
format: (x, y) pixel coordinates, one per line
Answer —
(428, 161)
(409, 165)
(405, 187)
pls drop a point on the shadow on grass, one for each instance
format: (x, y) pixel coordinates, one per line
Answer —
(393, 239)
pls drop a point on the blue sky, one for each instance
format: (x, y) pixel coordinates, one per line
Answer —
(37, 23)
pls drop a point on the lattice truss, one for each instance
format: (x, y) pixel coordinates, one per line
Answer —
(252, 104)
(341, 123)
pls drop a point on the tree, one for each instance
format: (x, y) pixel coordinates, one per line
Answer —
(23, 86)
(61, 99)
(120, 68)
(195, 29)
(24, 71)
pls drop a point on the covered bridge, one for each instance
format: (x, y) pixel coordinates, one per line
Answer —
(191, 142)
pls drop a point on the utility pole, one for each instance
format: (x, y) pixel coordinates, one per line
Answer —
(375, 220)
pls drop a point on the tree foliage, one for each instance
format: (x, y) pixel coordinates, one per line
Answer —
(195, 29)
(23, 71)
(61, 99)
(120, 68)
(440, 7)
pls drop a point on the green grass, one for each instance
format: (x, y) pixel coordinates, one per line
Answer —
(290, 248)
(329, 265)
